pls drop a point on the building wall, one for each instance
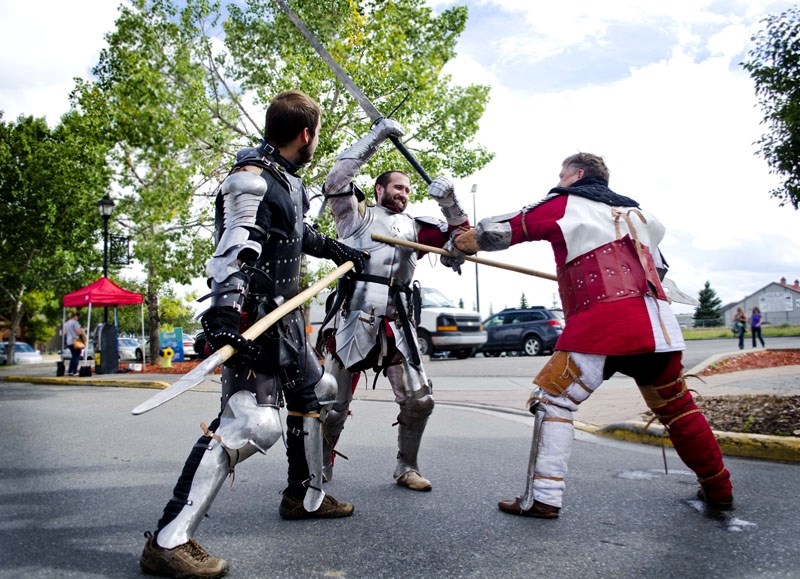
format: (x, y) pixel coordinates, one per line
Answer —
(779, 303)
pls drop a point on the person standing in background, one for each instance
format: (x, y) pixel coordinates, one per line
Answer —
(755, 326)
(72, 331)
(739, 326)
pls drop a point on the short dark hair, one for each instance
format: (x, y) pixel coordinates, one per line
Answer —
(592, 165)
(384, 178)
(288, 114)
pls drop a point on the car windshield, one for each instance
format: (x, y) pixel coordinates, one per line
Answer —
(128, 342)
(433, 298)
(23, 347)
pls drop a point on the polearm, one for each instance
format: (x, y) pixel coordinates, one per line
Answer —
(351, 86)
(479, 260)
(196, 376)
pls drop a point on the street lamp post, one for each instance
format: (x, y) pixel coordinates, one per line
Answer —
(105, 206)
(475, 222)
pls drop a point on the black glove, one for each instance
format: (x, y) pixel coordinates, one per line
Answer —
(340, 253)
(221, 327)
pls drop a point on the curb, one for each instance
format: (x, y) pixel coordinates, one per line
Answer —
(761, 446)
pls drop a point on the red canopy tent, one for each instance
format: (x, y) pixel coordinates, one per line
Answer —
(102, 292)
(105, 293)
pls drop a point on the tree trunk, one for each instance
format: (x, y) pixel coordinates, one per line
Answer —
(16, 318)
(152, 316)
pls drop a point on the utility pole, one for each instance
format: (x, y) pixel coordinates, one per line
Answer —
(475, 222)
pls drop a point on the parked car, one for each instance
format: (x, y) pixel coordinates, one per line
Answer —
(445, 327)
(23, 354)
(527, 331)
(126, 348)
(188, 346)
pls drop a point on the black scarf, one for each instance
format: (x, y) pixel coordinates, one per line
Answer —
(595, 189)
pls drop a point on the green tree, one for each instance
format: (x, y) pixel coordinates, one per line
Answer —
(708, 314)
(392, 50)
(152, 94)
(50, 181)
(774, 65)
(523, 301)
(177, 104)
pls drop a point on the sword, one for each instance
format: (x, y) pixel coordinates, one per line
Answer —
(196, 376)
(351, 86)
(479, 260)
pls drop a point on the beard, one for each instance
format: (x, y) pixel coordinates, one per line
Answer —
(394, 205)
(304, 154)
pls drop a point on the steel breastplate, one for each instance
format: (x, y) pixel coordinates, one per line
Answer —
(385, 260)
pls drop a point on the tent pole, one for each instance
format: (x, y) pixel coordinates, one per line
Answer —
(88, 325)
(144, 343)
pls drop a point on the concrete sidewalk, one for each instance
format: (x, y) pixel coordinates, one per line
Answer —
(614, 410)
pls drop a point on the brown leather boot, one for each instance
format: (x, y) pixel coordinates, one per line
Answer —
(292, 508)
(187, 560)
(538, 510)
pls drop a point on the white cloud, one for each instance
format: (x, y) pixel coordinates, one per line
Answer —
(43, 46)
(677, 134)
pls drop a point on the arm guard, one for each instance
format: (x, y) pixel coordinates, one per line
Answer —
(494, 233)
(242, 193)
(347, 165)
(443, 191)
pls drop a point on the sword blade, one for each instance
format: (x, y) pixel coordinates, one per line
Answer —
(372, 112)
(196, 376)
(338, 71)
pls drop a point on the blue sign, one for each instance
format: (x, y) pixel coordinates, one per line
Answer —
(174, 340)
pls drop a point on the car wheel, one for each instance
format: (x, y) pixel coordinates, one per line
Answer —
(532, 346)
(464, 354)
(139, 356)
(424, 343)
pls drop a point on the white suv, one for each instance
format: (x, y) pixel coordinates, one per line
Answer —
(445, 327)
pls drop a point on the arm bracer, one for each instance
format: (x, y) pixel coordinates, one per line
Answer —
(494, 233)
(242, 195)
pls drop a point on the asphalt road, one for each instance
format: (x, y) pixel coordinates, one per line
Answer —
(81, 479)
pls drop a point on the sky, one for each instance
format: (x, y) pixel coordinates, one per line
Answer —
(653, 87)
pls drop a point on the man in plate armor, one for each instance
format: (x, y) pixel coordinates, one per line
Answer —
(618, 318)
(260, 235)
(372, 322)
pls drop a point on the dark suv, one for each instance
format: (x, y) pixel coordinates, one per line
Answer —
(527, 331)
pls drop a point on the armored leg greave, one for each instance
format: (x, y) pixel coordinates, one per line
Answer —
(336, 415)
(411, 421)
(564, 382)
(551, 447)
(203, 474)
(243, 428)
(304, 451)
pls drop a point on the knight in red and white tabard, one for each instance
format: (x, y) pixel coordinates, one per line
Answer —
(619, 319)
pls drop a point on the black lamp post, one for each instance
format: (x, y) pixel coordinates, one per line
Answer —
(105, 206)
